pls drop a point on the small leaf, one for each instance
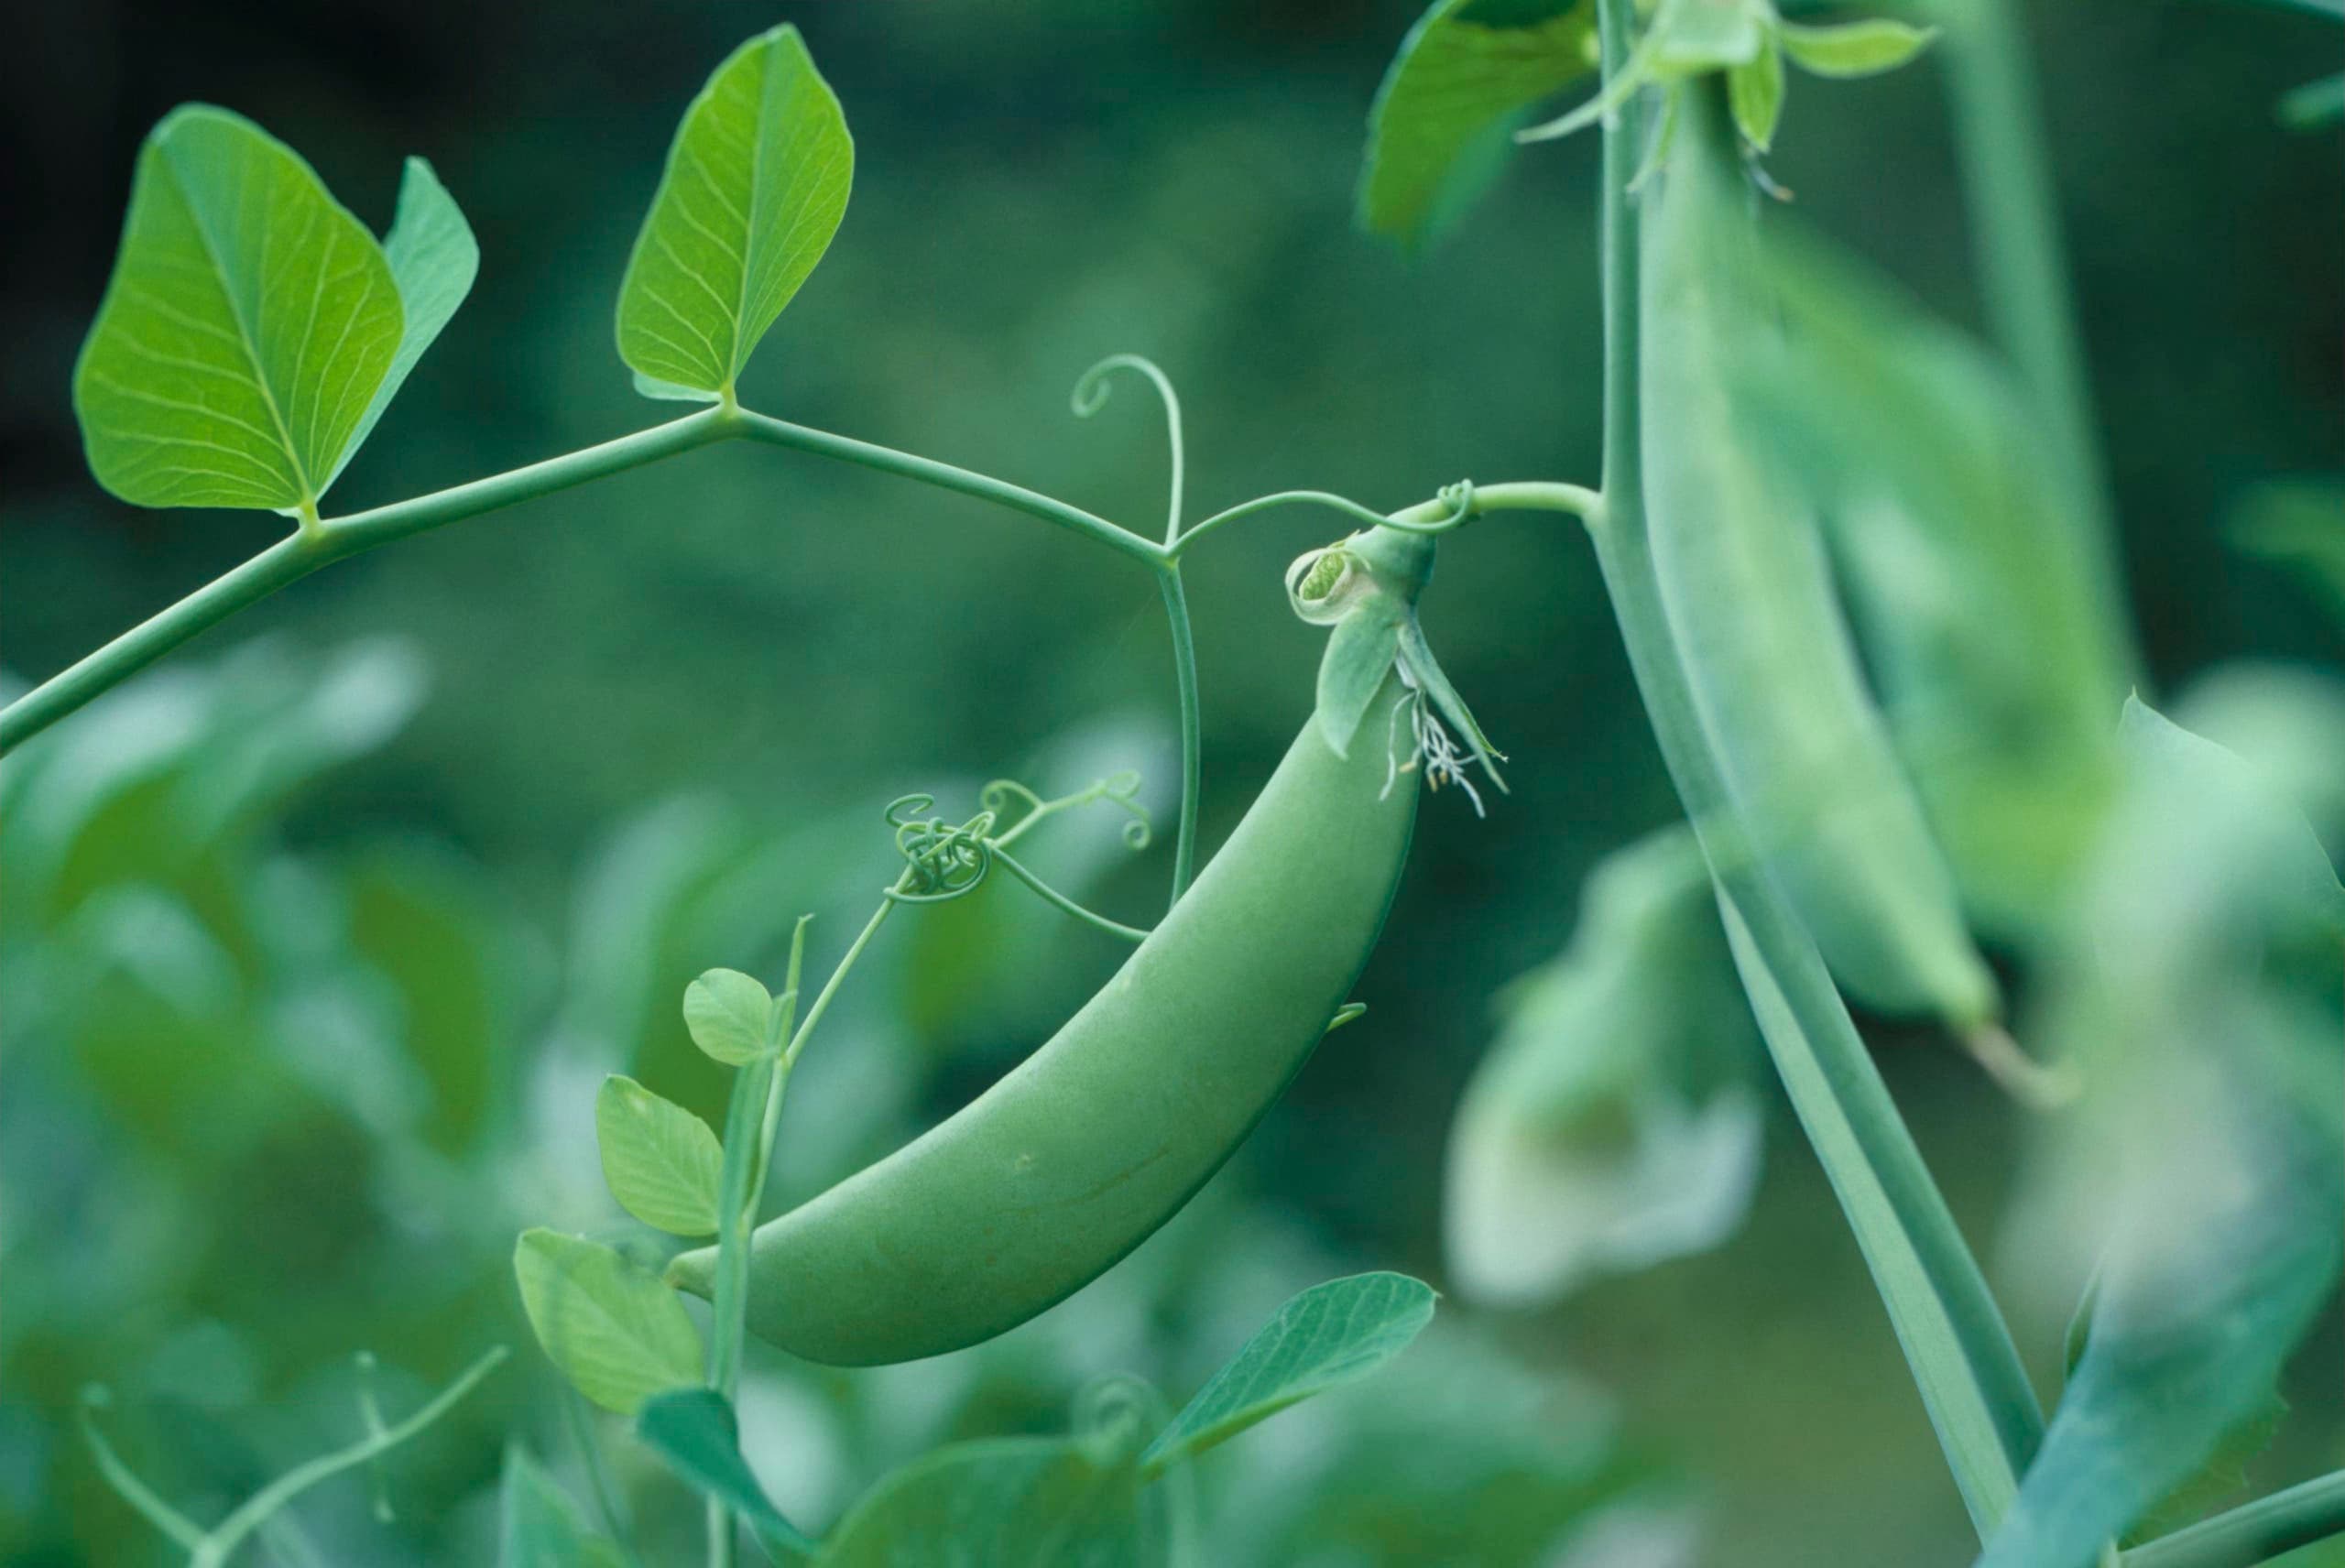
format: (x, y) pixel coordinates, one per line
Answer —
(541, 1527)
(433, 259)
(1359, 655)
(249, 323)
(1036, 1502)
(755, 186)
(612, 1327)
(730, 1016)
(1466, 72)
(1328, 1335)
(694, 1431)
(1854, 49)
(660, 1162)
(1754, 89)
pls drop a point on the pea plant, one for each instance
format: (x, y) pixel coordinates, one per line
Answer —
(1863, 567)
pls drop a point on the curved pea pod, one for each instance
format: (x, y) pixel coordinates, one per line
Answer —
(1077, 1155)
(1614, 1122)
(1815, 786)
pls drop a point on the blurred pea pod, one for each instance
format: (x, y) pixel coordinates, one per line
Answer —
(1615, 1122)
(1817, 788)
(2001, 666)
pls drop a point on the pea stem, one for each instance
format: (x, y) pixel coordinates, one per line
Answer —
(1954, 1336)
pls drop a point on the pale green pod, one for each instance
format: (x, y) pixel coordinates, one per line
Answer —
(1079, 1153)
(1614, 1122)
(1818, 790)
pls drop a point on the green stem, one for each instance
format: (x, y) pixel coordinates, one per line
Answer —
(1953, 1336)
(1061, 902)
(215, 1548)
(945, 476)
(2023, 269)
(290, 560)
(2253, 1532)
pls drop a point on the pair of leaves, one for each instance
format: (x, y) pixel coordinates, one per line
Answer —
(1470, 69)
(253, 332)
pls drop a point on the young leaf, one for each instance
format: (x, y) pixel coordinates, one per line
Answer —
(1754, 90)
(754, 186)
(612, 1327)
(1464, 73)
(433, 261)
(730, 1016)
(660, 1162)
(1854, 49)
(1360, 650)
(694, 1431)
(540, 1527)
(1038, 1502)
(248, 325)
(1328, 1335)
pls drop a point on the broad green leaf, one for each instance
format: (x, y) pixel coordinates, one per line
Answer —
(694, 1431)
(248, 325)
(1854, 49)
(1463, 76)
(2203, 1161)
(1360, 650)
(1328, 1335)
(754, 186)
(433, 259)
(1019, 1502)
(730, 1016)
(1614, 1122)
(612, 1327)
(660, 1162)
(539, 1525)
(1754, 89)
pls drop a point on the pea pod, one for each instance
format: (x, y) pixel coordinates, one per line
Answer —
(1743, 574)
(1078, 1154)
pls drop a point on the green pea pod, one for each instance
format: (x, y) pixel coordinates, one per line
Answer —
(1078, 1154)
(1743, 574)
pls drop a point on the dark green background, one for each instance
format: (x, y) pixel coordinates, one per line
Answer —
(1039, 186)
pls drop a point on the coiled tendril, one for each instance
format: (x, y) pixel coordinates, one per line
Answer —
(946, 860)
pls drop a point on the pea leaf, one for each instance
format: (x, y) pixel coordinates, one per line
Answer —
(612, 1327)
(1328, 1335)
(433, 261)
(730, 1016)
(1039, 1502)
(661, 1162)
(694, 1431)
(540, 1527)
(755, 186)
(248, 327)
(1464, 77)
(1854, 49)
(1360, 650)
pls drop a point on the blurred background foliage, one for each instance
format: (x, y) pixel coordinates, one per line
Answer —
(317, 942)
